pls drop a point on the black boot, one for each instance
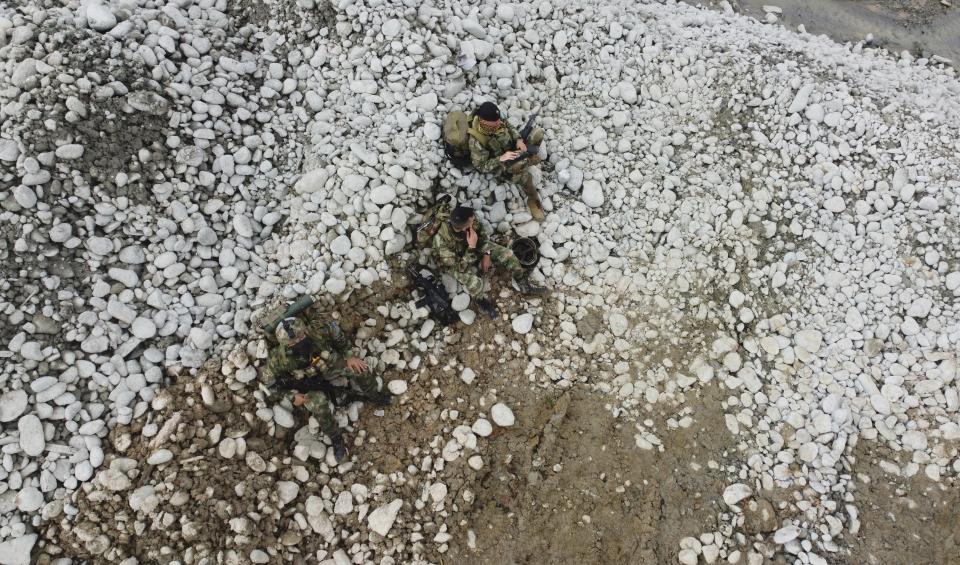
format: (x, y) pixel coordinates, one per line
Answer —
(339, 449)
(381, 398)
(487, 308)
(528, 289)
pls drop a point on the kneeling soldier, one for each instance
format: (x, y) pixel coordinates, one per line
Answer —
(307, 358)
(463, 250)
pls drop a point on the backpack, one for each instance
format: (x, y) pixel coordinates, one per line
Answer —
(456, 138)
(432, 220)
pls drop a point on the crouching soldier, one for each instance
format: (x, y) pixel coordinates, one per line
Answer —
(461, 248)
(306, 360)
(494, 143)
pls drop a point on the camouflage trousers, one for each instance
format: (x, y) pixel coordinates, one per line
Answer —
(500, 256)
(320, 406)
(519, 173)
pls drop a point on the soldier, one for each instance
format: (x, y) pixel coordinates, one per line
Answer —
(318, 351)
(493, 142)
(461, 248)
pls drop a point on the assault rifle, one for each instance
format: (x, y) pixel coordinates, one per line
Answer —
(528, 127)
(435, 297)
(524, 134)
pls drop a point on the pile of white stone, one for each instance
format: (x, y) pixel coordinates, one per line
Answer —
(146, 150)
(774, 211)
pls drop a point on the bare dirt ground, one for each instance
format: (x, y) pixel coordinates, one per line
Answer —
(923, 27)
(573, 487)
(903, 520)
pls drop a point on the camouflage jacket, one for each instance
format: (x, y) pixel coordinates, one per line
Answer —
(450, 249)
(485, 152)
(330, 348)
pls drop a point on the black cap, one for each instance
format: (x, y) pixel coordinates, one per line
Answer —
(460, 216)
(488, 112)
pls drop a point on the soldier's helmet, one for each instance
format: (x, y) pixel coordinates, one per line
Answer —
(291, 331)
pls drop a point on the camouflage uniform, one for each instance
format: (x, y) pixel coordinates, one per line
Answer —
(327, 360)
(485, 154)
(451, 253)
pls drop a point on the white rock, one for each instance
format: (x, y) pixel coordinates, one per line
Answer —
(32, 441)
(618, 324)
(810, 340)
(243, 225)
(200, 338)
(391, 28)
(383, 194)
(287, 492)
(952, 280)
(482, 427)
(786, 534)
(426, 102)
(397, 386)
(344, 504)
(143, 328)
(801, 99)
(460, 302)
(736, 492)
(100, 245)
(592, 194)
(835, 204)
(474, 28)
(467, 375)
(341, 245)
(9, 151)
(523, 323)
(69, 151)
(502, 415)
(438, 491)
(381, 519)
(13, 404)
(16, 551)
(737, 298)
(159, 457)
(99, 17)
(915, 440)
(311, 182)
(283, 417)
(25, 196)
(920, 308)
(29, 499)
(910, 326)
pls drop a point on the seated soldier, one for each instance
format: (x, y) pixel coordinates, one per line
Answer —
(462, 249)
(493, 142)
(318, 351)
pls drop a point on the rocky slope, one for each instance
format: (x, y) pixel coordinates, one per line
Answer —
(737, 213)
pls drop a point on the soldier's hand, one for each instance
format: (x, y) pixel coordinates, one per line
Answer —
(485, 263)
(509, 156)
(299, 399)
(521, 146)
(356, 364)
(472, 238)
